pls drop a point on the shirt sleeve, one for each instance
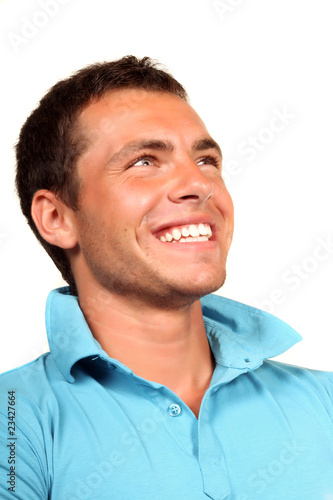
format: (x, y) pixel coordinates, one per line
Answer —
(22, 460)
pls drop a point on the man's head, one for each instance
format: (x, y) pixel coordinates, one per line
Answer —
(132, 165)
(51, 142)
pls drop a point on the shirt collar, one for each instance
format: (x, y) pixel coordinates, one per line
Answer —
(240, 336)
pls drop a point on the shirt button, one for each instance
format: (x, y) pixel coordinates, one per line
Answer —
(174, 410)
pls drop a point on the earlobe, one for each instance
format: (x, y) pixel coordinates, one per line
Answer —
(54, 220)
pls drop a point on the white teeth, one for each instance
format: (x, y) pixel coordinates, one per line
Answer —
(176, 234)
(193, 230)
(199, 238)
(203, 229)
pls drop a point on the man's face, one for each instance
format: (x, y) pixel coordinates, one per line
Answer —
(150, 174)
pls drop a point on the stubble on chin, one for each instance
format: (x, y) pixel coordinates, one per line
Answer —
(156, 294)
(118, 273)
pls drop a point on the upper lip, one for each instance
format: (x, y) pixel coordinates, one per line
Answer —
(185, 221)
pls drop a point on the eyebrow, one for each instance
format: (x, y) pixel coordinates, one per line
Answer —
(207, 143)
(158, 145)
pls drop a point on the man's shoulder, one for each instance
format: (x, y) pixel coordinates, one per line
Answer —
(30, 391)
(300, 380)
(301, 372)
(28, 410)
(30, 381)
(31, 369)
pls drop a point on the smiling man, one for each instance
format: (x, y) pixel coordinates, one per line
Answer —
(152, 388)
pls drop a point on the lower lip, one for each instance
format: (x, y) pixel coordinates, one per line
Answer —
(191, 245)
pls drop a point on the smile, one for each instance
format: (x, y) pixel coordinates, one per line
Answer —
(187, 233)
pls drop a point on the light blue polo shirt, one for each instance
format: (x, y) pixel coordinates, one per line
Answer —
(87, 428)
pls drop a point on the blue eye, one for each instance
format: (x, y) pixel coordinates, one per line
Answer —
(142, 162)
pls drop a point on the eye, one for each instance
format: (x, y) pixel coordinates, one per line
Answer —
(144, 161)
(209, 160)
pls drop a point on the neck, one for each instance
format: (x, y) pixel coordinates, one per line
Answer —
(169, 347)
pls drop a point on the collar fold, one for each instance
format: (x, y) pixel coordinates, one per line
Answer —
(69, 336)
(240, 336)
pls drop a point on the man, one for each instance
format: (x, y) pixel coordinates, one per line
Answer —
(148, 391)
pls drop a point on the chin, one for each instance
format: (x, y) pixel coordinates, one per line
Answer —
(208, 283)
(192, 291)
(208, 288)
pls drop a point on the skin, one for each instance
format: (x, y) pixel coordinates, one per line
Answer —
(150, 163)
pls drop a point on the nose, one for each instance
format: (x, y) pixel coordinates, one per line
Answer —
(190, 183)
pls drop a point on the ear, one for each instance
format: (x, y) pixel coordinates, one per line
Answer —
(55, 221)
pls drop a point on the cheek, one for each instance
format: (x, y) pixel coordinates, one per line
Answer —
(224, 201)
(119, 208)
(134, 202)
(229, 217)
(229, 206)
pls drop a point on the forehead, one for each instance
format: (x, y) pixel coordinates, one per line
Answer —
(138, 111)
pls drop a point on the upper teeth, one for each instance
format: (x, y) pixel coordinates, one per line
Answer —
(192, 232)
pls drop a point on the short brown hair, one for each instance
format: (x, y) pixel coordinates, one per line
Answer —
(49, 143)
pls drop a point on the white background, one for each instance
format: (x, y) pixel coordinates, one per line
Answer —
(241, 61)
